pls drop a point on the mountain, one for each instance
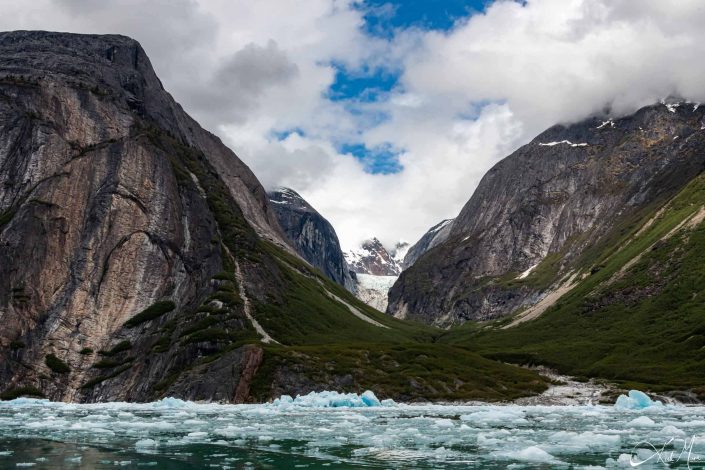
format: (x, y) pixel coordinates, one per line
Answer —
(372, 258)
(140, 258)
(311, 235)
(435, 235)
(536, 222)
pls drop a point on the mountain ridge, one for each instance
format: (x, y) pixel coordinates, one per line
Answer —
(140, 258)
(532, 211)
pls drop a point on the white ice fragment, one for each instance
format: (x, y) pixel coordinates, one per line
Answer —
(329, 399)
(443, 423)
(671, 431)
(170, 402)
(642, 421)
(635, 401)
(532, 454)
(145, 444)
(495, 416)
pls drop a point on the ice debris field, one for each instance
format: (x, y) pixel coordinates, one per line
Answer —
(333, 430)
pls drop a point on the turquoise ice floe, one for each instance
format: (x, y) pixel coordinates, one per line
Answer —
(636, 400)
(329, 399)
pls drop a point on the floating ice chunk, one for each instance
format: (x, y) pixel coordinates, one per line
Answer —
(25, 464)
(145, 444)
(532, 454)
(27, 401)
(170, 402)
(444, 423)
(496, 416)
(642, 421)
(369, 399)
(282, 400)
(328, 399)
(671, 431)
(636, 401)
(584, 441)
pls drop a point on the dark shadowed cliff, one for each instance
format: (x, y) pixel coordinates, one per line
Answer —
(311, 235)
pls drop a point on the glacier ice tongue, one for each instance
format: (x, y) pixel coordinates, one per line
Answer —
(636, 401)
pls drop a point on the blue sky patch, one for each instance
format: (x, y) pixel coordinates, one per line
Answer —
(383, 17)
(359, 88)
(283, 134)
(367, 85)
(382, 159)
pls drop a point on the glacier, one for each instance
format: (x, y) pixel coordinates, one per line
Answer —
(332, 429)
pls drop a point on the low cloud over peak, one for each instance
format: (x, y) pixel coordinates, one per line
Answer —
(307, 92)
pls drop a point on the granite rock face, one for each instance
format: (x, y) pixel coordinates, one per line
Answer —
(537, 212)
(311, 235)
(112, 199)
(435, 235)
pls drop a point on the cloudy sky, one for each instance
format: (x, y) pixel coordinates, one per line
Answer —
(385, 114)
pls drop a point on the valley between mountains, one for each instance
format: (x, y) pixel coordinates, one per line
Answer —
(141, 258)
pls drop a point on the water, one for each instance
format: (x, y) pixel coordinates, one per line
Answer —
(174, 434)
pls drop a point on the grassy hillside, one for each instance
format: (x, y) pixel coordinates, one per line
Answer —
(638, 314)
(324, 346)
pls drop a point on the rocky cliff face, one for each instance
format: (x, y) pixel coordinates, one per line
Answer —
(372, 258)
(435, 236)
(534, 216)
(311, 235)
(133, 243)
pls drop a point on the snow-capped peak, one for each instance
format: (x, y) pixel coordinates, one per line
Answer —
(372, 258)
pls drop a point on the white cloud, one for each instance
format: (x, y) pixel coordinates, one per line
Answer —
(246, 69)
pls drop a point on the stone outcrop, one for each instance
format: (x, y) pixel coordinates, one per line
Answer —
(534, 214)
(113, 201)
(311, 235)
(435, 235)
